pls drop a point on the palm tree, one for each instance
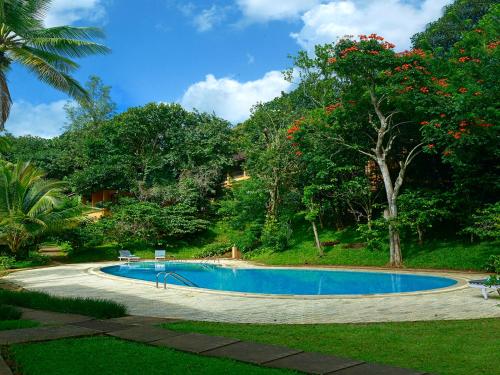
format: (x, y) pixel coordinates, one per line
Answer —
(31, 205)
(46, 52)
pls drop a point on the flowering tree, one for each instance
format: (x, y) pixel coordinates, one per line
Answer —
(377, 96)
(460, 122)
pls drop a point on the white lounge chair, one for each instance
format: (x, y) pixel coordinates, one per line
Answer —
(481, 284)
(162, 255)
(128, 256)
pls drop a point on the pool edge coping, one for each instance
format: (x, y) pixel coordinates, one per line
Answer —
(461, 283)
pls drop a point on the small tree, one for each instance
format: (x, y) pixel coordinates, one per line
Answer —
(421, 210)
(31, 205)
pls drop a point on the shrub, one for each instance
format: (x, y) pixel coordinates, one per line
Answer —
(97, 308)
(6, 262)
(9, 313)
(486, 222)
(276, 234)
(214, 249)
(247, 239)
(38, 259)
(374, 235)
(493, 264)
(66, 247)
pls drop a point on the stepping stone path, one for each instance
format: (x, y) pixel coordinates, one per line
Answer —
(252, 352)
(142, 329)
(314, 363)
(195, 342)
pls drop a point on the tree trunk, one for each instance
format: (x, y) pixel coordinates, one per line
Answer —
(391, 215)
(420, 235)
(316, 239)
(369, 219)
(396, 257)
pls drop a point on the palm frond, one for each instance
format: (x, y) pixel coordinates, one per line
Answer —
(68, 32)
(31, 205)
(68, 47)
(5, 100)
(48, 73)
(59, 62)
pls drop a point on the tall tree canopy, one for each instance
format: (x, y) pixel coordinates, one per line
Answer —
(48, 52)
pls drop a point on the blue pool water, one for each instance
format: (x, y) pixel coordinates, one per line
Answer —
(281, 281)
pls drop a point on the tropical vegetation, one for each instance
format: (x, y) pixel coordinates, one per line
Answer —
(378, 157)
(47, 52)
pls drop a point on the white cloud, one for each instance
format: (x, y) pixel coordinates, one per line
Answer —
(208, 18)
(266, 10)
(231, 99)
(395, 20)
(66, 12)
(43, 120)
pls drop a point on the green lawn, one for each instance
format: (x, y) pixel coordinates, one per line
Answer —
(440, 254)
(109, 356)
(17, 324)
(442, 347)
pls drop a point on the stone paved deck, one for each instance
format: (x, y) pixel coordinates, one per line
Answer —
(142, 298)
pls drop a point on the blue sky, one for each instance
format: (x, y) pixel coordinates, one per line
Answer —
(217, 56)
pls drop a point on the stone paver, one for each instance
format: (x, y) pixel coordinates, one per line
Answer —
(103, 325)
(142, 298)
(252, 352)
(375, 369)
(142, 320)
(313, 363)
(195, 342)
(4, 369)
(145, 334)
(49, 317)
(18, 336)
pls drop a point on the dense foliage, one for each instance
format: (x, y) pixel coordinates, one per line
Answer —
(399, 146)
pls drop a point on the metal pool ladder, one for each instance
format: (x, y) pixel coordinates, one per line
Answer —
(176, 276)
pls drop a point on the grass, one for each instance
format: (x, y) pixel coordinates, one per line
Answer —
(109, 356)
(109, 251)
(28, 263)
(442, 347)
(101, 309)
(6, 325)
(437, 254)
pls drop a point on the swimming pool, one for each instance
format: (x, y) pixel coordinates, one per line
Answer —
(281, 281)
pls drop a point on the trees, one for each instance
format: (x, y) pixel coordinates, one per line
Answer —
(31, 205)
(459, 17)
(93, 111)
(371, 111)
(460, 119)
(46, 52)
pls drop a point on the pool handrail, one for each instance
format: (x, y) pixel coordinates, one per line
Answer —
(176, 276)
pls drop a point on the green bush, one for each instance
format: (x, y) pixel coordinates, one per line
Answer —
(9, 313)
(38, 259)
(375, 235)
(486, 222)
(97, 308)
(275, 234)
(6, 262)
(493, 264)
(65, 247)
(214, 249)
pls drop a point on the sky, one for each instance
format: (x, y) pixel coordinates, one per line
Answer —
(220, 56)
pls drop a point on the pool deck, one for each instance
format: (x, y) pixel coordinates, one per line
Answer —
(142, 298)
